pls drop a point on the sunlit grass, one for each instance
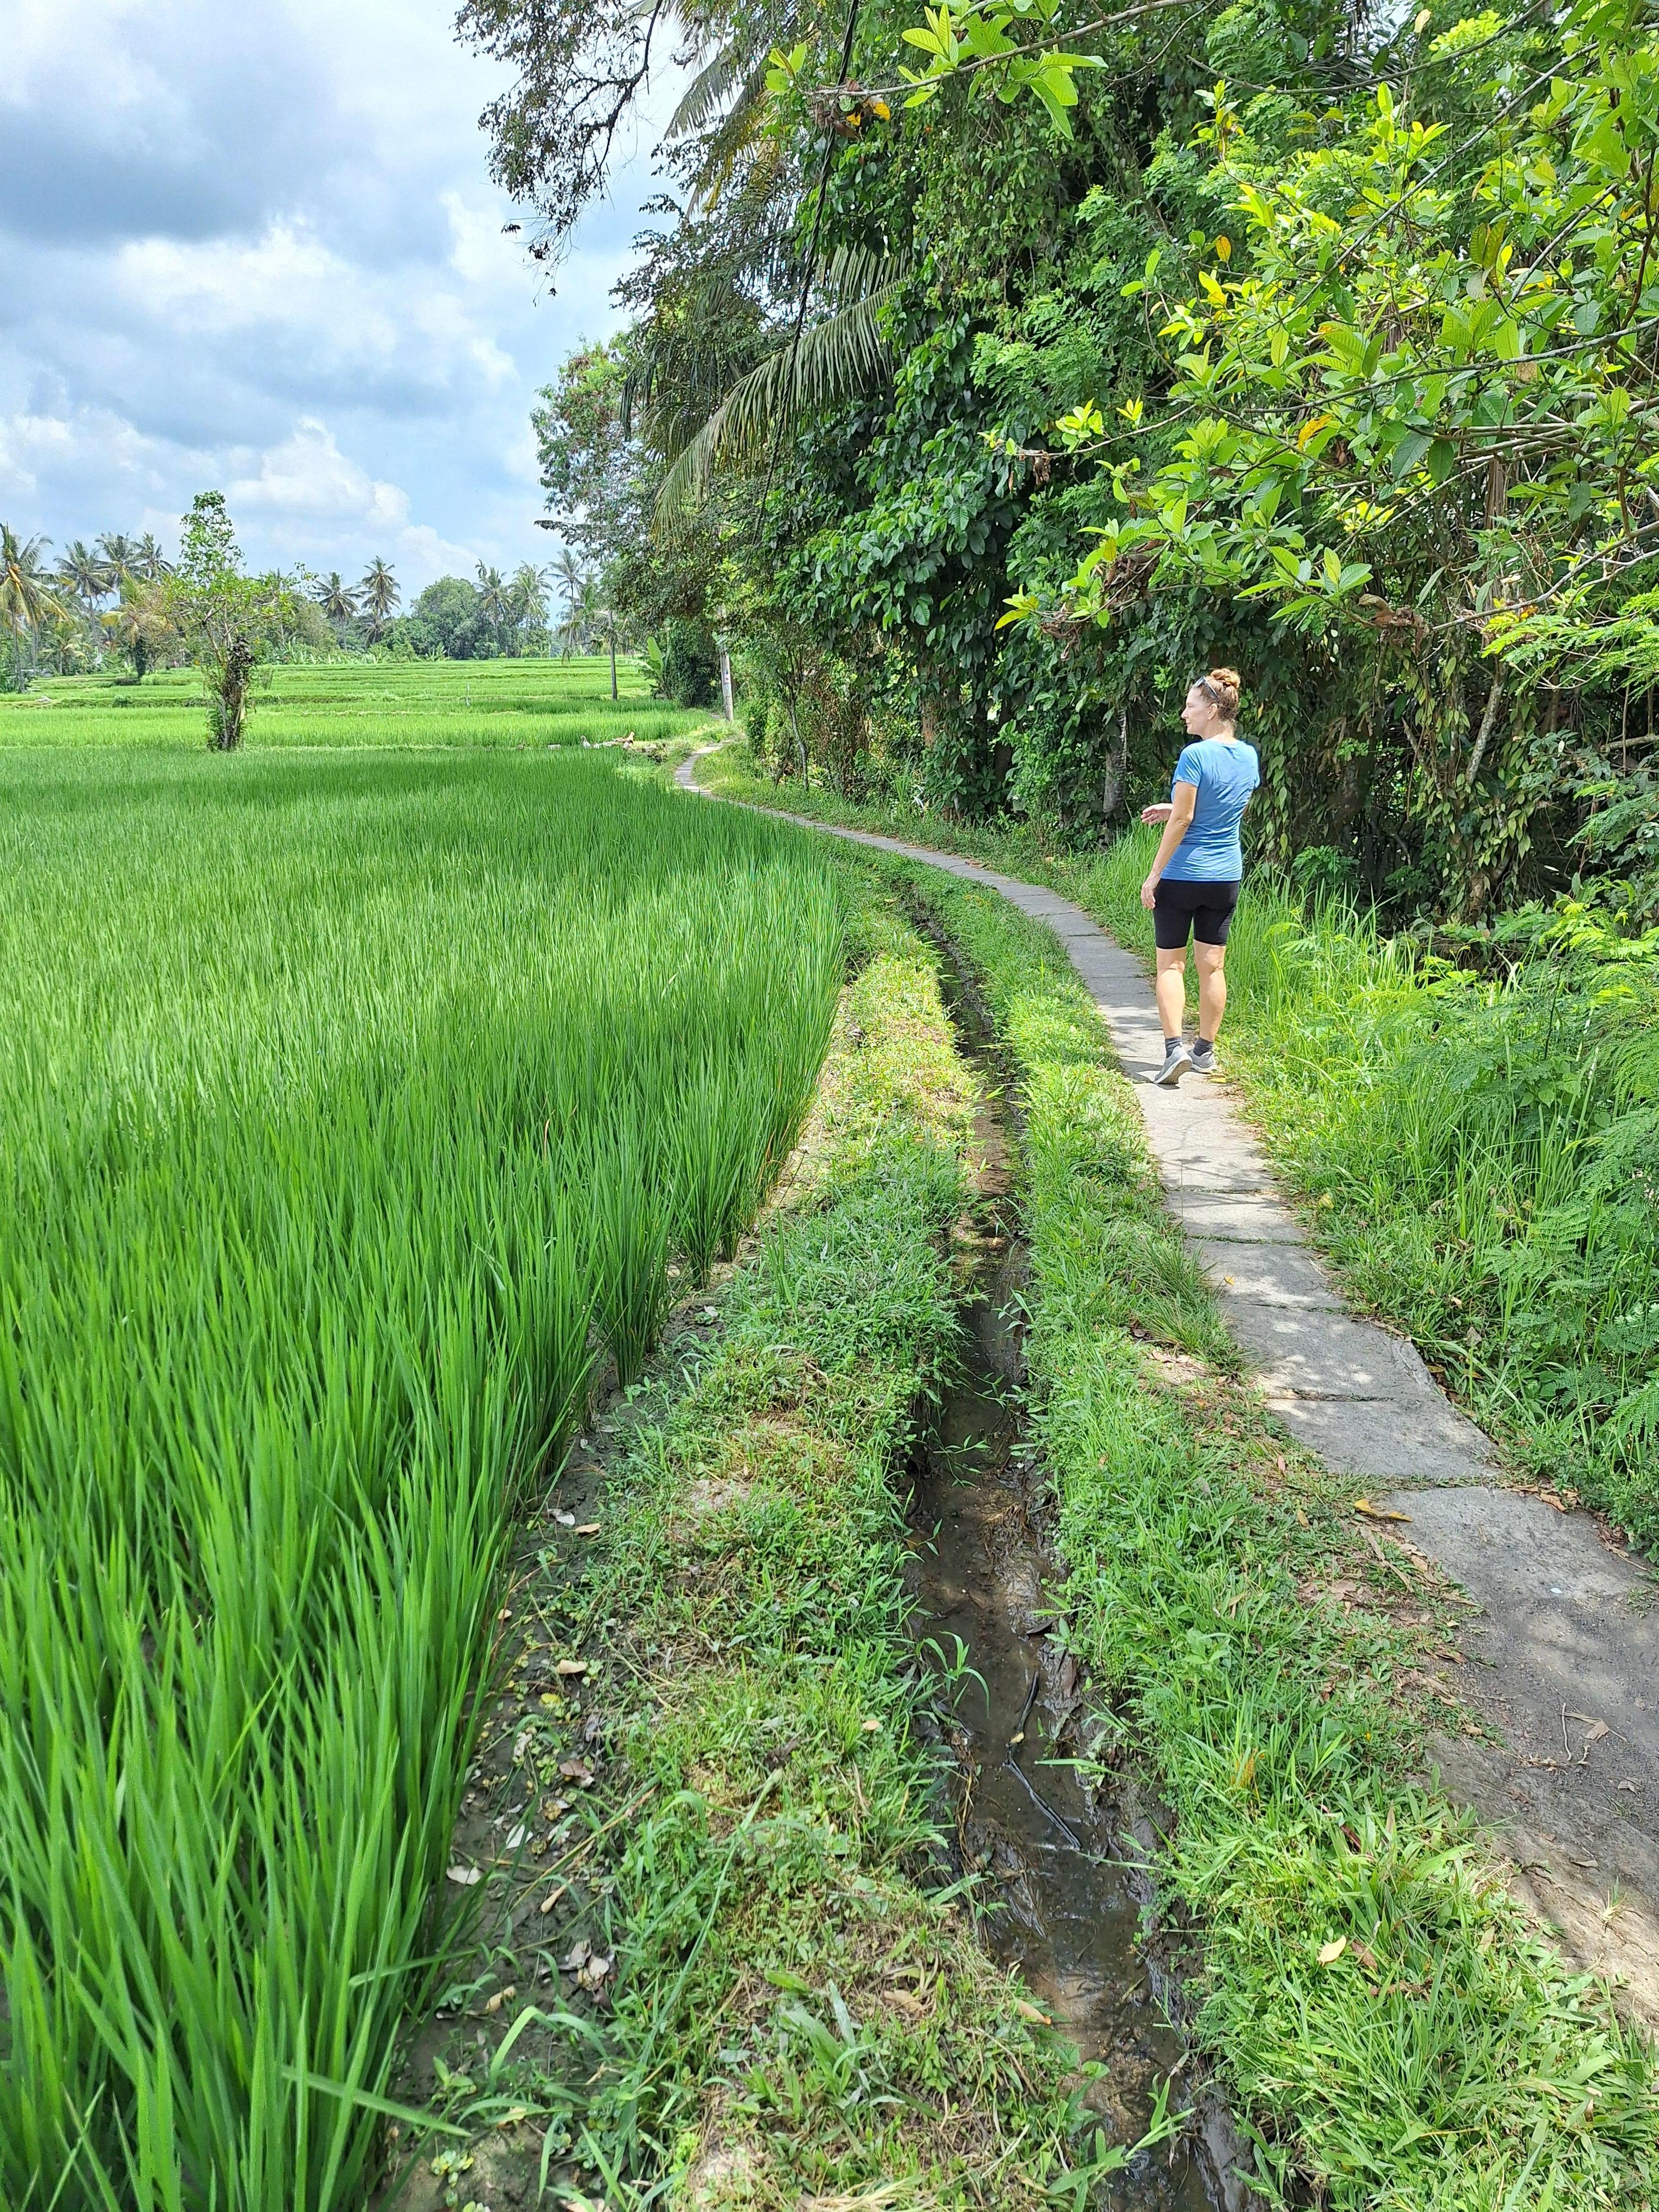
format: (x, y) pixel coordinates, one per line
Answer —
(359, 703)
(351, 1110)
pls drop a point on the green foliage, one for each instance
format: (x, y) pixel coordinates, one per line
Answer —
(1401, 400)
(226, 623)
(691, 665)
(1277, 334)
(444, 620)
(305, 1222)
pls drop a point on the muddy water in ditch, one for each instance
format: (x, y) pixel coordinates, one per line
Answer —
(1064, 1906)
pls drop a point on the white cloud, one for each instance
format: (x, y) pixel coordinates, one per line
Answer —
(480, 251)
(523, 457)
(312, 499)
(88, 444)
(257, 248)
(48, 40)
(308, 475)
(296, 289)
(218, 286)
(433, 555)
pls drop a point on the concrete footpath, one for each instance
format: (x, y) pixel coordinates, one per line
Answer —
(1563, 1643)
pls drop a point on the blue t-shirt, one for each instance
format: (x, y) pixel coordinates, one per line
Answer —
(1226, 775)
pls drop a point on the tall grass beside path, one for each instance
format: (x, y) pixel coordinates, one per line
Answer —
(1388, 2026)
(348, 1114)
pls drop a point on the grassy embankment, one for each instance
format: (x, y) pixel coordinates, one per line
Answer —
(789, 2005)
(1477, 1155)
(387, 703)
(1381, 2014)
(347, 1108)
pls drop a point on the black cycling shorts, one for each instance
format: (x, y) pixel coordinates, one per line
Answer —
(1204, 909)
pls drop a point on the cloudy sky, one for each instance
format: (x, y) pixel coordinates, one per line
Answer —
(251, 244)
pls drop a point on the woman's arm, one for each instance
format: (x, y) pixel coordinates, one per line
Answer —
(1182, 799)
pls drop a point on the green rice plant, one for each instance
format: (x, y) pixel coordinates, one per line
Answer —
(714, 1143)
(628, 1209)
(332, 1115)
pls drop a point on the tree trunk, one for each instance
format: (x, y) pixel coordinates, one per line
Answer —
(613, 660)
(1117, 761)
(228, 712)
(1488, 723)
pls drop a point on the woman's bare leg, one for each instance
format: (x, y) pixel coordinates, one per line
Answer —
(1212, 988)
(1172, 990)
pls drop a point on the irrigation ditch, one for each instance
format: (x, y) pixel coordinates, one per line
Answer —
(1049, 1850)
(1065, 1847)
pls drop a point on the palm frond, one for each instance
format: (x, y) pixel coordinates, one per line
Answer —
(705, 92)
(733, 138)
(853, 272)
(846, 353)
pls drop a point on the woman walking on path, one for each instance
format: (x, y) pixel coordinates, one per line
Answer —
(1193, 887)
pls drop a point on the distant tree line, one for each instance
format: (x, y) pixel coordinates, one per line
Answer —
(117, 602)
(558, 609)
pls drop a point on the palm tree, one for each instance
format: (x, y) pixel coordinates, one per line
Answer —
(138, 627)
(121, 559)
(725, 102)
(530, 595)
(149, 564)
(27, 599)
(567, 572)
(336, 596)
(582, 624)
(84, 572)
(378, 593)
(833, 360)
(494, 599)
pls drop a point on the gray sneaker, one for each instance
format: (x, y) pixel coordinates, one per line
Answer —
(1176, 1062)
(1205, 1061)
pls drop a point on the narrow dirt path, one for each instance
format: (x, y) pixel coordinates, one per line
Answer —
(1564, 1645)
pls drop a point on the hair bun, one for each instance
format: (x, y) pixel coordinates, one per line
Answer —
(1228, 682)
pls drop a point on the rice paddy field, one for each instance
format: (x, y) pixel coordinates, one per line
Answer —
(355, 1106)
(360, 702)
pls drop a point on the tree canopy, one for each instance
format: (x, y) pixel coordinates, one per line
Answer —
(1022, 358)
